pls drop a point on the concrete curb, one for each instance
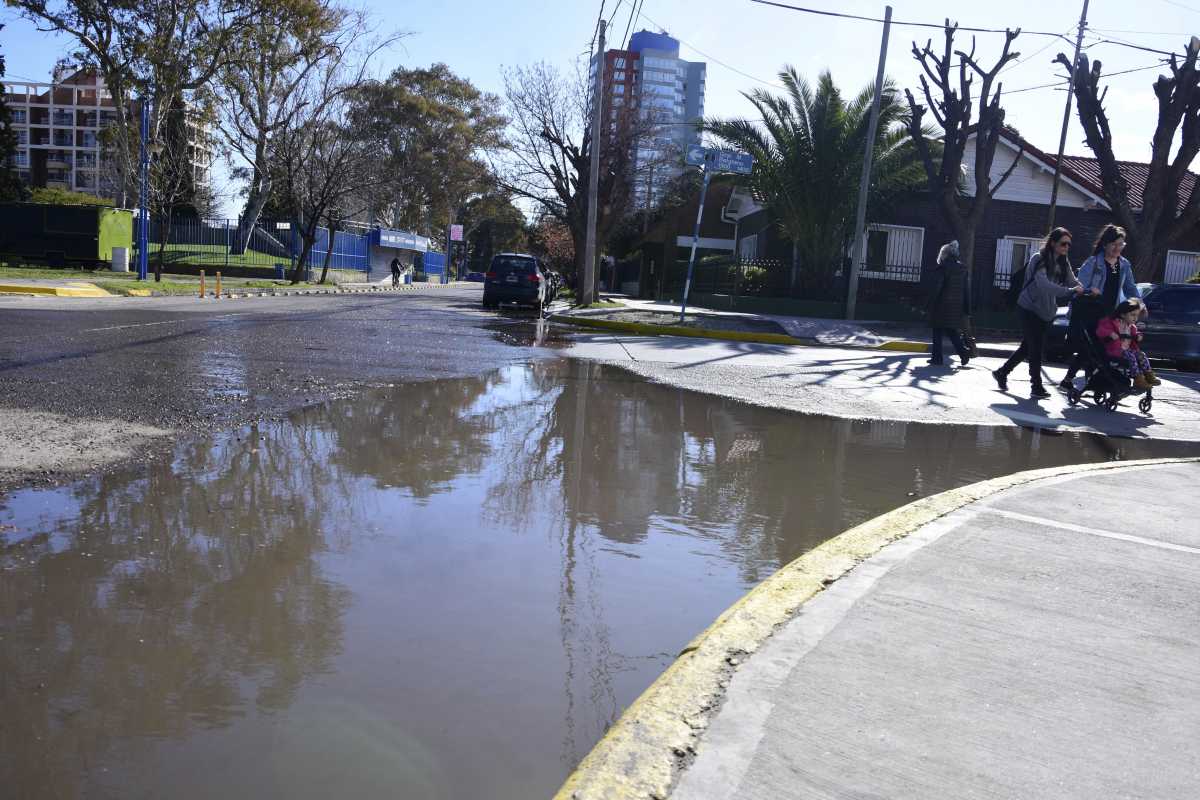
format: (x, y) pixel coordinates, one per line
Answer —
(71, 290)
(241, 295)
(649, 329)
(642, 754)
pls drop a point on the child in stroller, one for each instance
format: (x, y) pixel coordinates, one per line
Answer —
(1119, 368)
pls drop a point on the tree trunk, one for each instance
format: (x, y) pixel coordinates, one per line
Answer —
(164, 234)
(259, 194)
(309, 238)
(328, 252)
(795, 266)
(966, 254)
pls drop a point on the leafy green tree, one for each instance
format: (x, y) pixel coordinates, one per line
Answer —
(65, 197)
(10, 186)
(808, 151)
(432, 132)
(492, 224)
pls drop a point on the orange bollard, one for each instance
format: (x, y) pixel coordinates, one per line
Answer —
(201, 284)
(218, 286)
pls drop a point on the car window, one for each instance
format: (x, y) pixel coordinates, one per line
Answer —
(521, 266)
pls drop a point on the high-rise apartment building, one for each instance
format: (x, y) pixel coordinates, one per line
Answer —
(58, 129)
(666, 96)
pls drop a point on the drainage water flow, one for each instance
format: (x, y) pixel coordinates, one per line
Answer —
(441, 590)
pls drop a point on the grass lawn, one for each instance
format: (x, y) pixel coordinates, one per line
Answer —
(122, 282)
(215, 254)
(604, 304)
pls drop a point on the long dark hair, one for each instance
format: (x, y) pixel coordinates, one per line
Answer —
(1048, 256)
(1108, 234)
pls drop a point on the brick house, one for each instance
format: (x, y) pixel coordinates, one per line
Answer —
(899, 249)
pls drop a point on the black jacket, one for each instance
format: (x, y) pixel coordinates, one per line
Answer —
(949, 302)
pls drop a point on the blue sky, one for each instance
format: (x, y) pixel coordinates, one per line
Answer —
(476, 38)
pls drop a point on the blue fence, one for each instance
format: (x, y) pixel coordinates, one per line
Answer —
(434, 266)
(350, 250)
(209, 243)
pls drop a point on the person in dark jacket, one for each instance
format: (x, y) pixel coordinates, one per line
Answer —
(949, 304)
(1048, 277)
(395, 272)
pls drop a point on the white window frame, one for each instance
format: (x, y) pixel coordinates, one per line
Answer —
(1002, 268)
(908, 255)
(1181, 277)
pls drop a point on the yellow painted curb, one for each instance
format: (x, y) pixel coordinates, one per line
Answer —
(70, 290)
(639, 757)
(648, 329)
(139, 292)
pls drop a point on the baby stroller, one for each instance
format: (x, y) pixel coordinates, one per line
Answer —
(1108, 379)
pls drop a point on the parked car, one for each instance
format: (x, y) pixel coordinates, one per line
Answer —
(1171, 328)
(474, 277)
(514, 278)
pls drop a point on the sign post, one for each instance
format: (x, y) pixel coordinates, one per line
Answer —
(712, 161)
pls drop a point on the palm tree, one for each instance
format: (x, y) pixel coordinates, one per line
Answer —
(808, 150)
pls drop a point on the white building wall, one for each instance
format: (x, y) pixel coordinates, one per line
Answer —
(1030, 182)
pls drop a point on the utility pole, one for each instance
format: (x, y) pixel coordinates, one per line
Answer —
(587, 286)
(860, 222)
(1062, 139)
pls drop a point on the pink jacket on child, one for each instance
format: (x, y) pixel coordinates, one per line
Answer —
(1112, 347)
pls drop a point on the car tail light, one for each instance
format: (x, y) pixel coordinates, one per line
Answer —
(491, 276)
(535, 278)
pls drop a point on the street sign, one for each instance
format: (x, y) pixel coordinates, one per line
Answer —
(729, 161)
(456, 233)
(718, 160)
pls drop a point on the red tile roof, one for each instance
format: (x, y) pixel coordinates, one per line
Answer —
(1086, 172)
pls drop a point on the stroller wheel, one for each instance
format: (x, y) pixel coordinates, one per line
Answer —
(1111, 404)
(1098, 397)
(1074, 396)
(1145, 404)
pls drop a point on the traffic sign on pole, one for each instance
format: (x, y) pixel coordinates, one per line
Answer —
(713, 161)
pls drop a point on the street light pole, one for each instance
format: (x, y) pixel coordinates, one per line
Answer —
(860, 222)
(144, 181)
(587, 287)
(1062, 139)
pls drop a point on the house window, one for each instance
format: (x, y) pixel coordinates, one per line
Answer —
(619, 76)
(1181, 265)
(893, 253)
(619, 88)
(619, 63)
(1012, 253)
(748, 247)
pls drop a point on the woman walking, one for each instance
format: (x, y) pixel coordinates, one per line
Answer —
(1107, 279)
(1048, 276)
(948, 304)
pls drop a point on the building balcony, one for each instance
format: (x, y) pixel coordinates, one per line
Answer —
(63, 119)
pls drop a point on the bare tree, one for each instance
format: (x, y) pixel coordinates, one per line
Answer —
(548, 157)
(161, 51)
(949, 99)
(1161, 220)
(258, 87)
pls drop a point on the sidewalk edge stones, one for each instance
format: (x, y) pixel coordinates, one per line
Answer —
(641, 755)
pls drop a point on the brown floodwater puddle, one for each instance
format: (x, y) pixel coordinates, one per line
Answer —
(440, 590)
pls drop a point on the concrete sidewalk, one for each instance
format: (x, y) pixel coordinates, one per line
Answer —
(1031, 636)
(1042, 642)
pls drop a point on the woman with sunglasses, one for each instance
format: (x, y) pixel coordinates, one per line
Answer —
(1048, 276)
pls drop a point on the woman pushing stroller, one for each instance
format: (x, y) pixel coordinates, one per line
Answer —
(1119, 334)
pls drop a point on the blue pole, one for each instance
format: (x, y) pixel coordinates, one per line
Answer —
(143, 212)
(695, 241)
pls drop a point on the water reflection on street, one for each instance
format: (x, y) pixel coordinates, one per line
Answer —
(441, 590)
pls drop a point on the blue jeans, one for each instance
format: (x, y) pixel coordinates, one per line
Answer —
(955, 340)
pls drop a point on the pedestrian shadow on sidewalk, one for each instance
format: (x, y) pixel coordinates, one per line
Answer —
(1126, 421)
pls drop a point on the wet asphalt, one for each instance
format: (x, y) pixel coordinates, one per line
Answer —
(194, 366)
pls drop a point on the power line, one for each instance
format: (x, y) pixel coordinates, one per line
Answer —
(937, 25)
(635, 13)
(1181, 5)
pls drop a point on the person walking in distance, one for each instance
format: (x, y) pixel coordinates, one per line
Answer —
(1107, 279)
(395, 272)
(948, 304)
(1048, 276)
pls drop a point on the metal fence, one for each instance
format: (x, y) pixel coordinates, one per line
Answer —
(212, 243)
